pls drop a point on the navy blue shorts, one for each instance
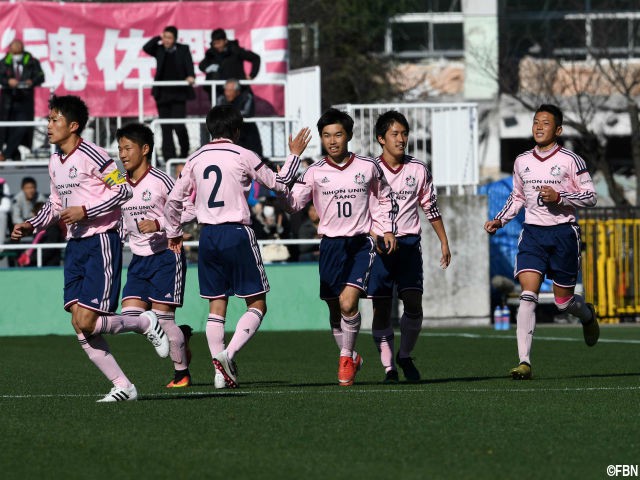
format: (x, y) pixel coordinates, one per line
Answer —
(92, 269)
(229, 262)
(553, 251)
(402, 269)
(344, 261)
(157, 278)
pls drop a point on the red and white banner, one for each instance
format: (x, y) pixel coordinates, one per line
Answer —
(94, 50)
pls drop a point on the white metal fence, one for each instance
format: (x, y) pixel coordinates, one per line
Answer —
(445, 135)
(15, 249)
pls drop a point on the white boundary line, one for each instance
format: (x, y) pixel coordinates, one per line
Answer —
(338, 391)
(535, 337)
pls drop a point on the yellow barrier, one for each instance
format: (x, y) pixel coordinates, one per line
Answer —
(611, 268)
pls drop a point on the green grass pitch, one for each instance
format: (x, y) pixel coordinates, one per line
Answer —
(290, 419)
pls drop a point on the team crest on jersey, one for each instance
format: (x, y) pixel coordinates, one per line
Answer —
(555, 170)
(410, 181)
(359, 179)
(73, 172)
(146, 195)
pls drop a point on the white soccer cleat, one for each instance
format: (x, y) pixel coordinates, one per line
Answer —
(227, 368)
(218, 380)
(156, 335)
(120, 394)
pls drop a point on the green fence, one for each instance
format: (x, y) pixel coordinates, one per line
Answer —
(32, 301)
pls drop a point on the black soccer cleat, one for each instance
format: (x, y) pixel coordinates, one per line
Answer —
(410, 371)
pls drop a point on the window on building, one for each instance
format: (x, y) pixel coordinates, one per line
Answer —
(425, 35)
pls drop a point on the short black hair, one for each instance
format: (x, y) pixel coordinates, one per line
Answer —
(333, 116)
(26, 180)
(138, 133)
(172, 29)
(385, 121)
(72, 108)
(218, 34)
(553, 110)
(224, 121)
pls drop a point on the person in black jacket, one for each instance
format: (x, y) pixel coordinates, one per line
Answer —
(225, 59)
(243, 102)
(20, 72)
(174, 63)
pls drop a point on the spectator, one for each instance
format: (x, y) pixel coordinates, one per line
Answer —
(225, 59)
(174, 62)
(309, 229)
(54, 233)
(20, 72)
(25, 200)
(270, 220)
(242, 100)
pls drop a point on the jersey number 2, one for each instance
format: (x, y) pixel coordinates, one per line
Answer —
(213, 203)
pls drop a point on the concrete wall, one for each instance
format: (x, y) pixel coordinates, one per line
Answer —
(32, 298)
(459, 295)
(32, 301)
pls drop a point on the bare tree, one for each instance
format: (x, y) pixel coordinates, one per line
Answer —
(351, 39)
(583, 67)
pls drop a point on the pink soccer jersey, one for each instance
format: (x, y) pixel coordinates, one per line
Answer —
(150, 194)
(221, 172)
(86, 178)
(561, 169)
(412, 185)
(341, 194)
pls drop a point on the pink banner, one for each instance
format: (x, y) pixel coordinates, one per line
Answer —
(94, 50)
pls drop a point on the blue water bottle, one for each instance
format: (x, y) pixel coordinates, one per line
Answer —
(506, 318)
(497, 318)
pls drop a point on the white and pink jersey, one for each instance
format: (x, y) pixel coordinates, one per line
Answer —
(341, 194)
(221, 173)
(150, 194)
(86, 178)
(412, 186)
(559, 168)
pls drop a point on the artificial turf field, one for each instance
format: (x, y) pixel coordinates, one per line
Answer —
(289, 419)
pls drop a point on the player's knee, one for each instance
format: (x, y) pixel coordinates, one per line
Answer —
(84, 320)
(413, 313)
(562, 303)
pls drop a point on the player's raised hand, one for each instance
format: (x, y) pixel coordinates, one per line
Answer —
(298, 144)
(71, 215)
(175, 244)
(20, 230)
(492, 226)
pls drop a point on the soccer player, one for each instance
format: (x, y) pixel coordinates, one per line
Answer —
(340, 185)
(156, 275)
(549, 181)
(87, 192)
(412, 187)
(229, 261)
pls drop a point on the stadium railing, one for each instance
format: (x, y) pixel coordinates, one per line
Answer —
(14, 248)
(610, 265)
